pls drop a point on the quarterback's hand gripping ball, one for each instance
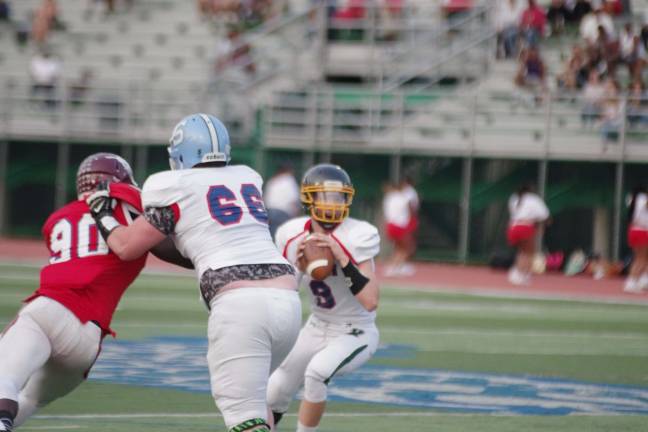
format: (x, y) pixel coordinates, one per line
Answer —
(318, 259)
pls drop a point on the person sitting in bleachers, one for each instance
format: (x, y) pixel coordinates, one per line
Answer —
(45, 71)
(45, 19)
(612, 111)
(454, 10)
(613, 7)
(593, 96)
(5, 11)
(579, 10)
(589, 27)
(507, 18)
(531, 72)
(633, 53)
(574, 76)
(637, 106)
(609, 50)
(557, 16)
(532, 23)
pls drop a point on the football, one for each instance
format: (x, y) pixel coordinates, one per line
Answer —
(319, 260)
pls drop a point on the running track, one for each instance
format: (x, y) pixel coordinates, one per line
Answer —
(439, 277)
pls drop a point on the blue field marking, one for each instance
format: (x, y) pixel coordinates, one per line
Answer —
(179, 363)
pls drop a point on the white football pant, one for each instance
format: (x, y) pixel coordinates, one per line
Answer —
(45, 354)
(321, 351)
(250, 332)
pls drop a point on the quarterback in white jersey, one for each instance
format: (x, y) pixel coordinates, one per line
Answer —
(216, 217)
(340, 334)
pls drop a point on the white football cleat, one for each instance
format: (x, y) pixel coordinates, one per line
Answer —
(632, 286)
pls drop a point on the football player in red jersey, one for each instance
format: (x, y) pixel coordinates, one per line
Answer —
(49, 348)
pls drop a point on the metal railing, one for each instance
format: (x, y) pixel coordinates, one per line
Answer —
(454, 123)
(410, 43)
(133, 113)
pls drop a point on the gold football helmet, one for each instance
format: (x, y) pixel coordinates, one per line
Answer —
(327, 193)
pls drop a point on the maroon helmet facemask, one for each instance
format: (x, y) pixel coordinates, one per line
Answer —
(102, 167)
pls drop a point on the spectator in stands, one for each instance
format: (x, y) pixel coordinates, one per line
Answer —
(557, 16)
(346, 20)
(612, 7)
(507, 19)
(235, 52)
(528, 212)
(637, 106)
(637, 279)
(204, 8)
(593, 97)
(110, 5)
(532, 23)
(79, 87)
(45, 20)
(626, 36)
(45, 71)
(390, 14)
(454, 10)
(589, 27)
(609, 51)
(253, 13)
(531, 72)
(612, 111)
(5, 11)
(574, 76)
(633, 53)
(22, 30)
(579, 10)
(281, 197)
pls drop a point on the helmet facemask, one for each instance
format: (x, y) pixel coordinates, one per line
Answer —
(328, 203)
(102, 168)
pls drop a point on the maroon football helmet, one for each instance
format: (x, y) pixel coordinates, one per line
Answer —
(102, 167)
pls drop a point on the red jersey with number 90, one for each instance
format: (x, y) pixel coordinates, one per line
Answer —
(83, 274)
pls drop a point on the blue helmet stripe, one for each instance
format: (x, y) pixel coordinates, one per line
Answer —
(212, 133)
(223, 135)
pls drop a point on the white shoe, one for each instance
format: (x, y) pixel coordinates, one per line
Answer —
(516, 277)
(406, 269)
(632, 286)
(643, 281)
(390, 271)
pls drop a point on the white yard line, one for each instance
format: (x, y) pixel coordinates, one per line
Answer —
(518, 295)
(216, 415)
(126, 416)
(59, 427)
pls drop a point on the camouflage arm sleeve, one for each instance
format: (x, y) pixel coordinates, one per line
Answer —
(162, 218)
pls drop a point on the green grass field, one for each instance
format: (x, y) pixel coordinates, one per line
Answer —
(421, 332)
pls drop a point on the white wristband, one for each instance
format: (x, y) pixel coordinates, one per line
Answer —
(109, 223)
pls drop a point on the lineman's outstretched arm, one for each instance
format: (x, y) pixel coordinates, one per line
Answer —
(127, 242)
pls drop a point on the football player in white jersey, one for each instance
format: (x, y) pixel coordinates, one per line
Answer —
(216, 217)
(340, 334)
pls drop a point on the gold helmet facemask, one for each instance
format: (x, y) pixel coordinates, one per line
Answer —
(329, 201)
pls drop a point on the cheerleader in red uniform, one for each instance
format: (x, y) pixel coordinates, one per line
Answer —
(527, 212)
(637, 279)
